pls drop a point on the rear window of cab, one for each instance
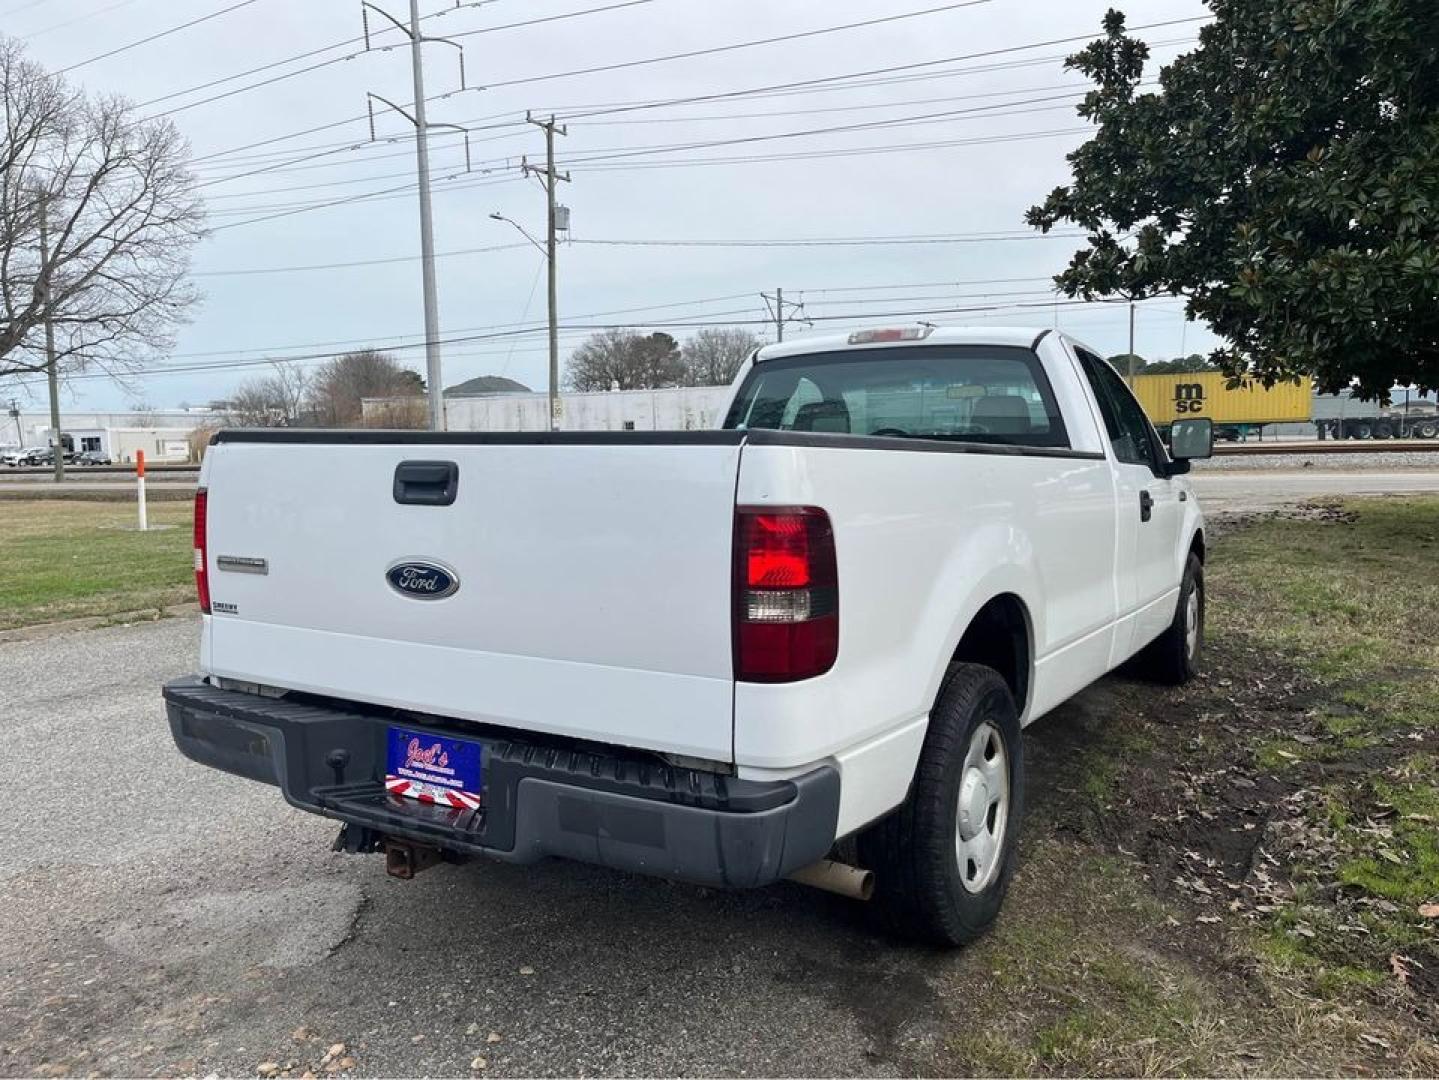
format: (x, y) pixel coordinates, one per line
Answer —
(968, 393)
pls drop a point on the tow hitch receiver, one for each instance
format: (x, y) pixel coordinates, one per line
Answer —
(404, 859)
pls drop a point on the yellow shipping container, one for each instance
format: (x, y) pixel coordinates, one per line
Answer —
(1167, 398)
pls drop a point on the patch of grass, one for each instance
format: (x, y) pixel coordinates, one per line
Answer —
(1095, 998)
(1352, 602)
(1404, 867)
(62, 559)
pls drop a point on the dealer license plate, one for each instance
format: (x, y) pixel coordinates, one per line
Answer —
(434, 769)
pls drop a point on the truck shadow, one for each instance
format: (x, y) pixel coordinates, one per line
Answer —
(567, 936)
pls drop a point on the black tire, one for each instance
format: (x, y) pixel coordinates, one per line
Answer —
(919, 888)
(1170, 658)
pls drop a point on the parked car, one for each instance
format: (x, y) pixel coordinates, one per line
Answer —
(93, 457)
(29, 455)
(704, 655)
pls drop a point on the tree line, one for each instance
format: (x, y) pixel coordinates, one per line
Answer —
(373, 389)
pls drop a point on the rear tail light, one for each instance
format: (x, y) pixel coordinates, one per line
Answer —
(202, 577)
(786, 594)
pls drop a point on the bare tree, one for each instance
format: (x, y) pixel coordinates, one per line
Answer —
(714, 354)
(625, 360)
(273, 400)
(403, 413)
(98, 214)
(340, 386)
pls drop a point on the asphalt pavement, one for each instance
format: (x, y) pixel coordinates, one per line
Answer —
(1224, 491)
(158, 917)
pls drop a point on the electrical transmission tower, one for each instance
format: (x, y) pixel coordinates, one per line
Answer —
(434, 379)
(783, 311)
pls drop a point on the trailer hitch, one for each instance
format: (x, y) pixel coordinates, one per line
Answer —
(404, 859)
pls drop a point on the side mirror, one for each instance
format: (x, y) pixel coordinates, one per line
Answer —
(1191, 440)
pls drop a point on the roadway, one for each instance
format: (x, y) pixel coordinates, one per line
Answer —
(1224, 491)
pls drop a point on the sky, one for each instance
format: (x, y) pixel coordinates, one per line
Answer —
(956, 118)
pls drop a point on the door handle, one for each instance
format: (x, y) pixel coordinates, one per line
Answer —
(426, 483)
(1146, 505)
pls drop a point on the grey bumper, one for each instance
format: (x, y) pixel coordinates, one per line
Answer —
(602, 805)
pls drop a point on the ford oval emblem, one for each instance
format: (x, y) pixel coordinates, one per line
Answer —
(421, 580)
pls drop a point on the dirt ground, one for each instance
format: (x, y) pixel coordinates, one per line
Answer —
(1242, 875)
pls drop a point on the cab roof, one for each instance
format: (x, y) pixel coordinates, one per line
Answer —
(1022, 336)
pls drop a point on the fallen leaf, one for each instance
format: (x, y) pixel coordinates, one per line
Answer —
(417, 1038)
(1429, 911)
(1397, 966)
(473, 1029)
(493, 1037)
(348, 1063)
(1389, 856)
(479, 1063)
(268, 1068)
(1373, 1040)
(1207, 918)
(527, 970)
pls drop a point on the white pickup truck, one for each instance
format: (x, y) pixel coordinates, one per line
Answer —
(705, 655)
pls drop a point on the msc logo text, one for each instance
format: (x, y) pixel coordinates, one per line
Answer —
(1188, 398)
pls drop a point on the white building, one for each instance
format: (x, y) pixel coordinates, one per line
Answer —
(161, 445)
(684, 408)
(164, 434)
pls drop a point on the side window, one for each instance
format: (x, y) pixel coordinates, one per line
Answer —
(1124, 419)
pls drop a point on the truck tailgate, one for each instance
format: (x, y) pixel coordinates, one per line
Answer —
(593, 575)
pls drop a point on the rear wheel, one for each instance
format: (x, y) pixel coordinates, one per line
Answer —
(943, 860)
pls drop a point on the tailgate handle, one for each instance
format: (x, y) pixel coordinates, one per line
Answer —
(426, 483)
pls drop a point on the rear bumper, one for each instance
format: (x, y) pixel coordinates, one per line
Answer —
(593, 804)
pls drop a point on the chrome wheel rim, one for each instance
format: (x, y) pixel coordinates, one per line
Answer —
(983, 809)
(1191, 623)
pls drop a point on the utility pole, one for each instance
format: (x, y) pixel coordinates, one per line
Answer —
(19, 431)
(52, 374)
(775, 305)
(549, 179)
(1131, 343)
(433, 377)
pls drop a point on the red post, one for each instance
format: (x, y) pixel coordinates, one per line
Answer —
(140, 487)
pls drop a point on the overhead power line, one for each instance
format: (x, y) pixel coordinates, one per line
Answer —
(843, 241)
(353, 55)
(699, 322)
(808, 86)
(157, 36)
(714, 50)
(630, 64)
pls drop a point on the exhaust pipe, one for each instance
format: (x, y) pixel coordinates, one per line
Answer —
(837, 877)
(404, 859)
